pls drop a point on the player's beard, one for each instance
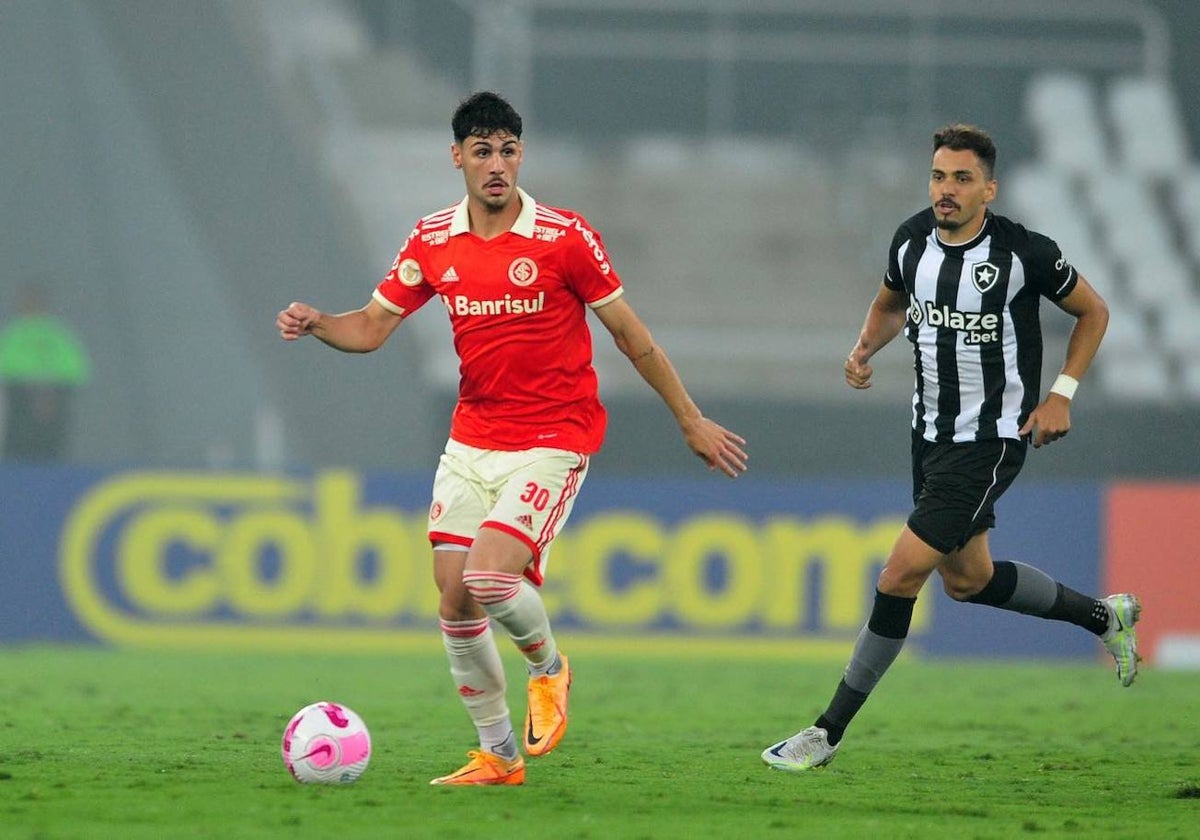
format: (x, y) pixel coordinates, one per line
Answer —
(951, 222)
(948, 221)
(498, 203)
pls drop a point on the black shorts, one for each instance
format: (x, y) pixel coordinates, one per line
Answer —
(956, 485)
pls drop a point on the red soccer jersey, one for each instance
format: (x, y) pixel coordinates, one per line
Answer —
(517, 306)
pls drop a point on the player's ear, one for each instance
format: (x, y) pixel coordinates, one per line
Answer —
(456, 155)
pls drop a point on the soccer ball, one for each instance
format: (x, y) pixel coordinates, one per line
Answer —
(326, 743)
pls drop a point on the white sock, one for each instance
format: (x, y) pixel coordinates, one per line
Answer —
(517, 607)
(479, 677)
(499, 739)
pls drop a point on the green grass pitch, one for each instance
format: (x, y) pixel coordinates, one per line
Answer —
(100, 743)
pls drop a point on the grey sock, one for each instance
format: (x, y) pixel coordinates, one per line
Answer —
(873, 655)
(1035, 592)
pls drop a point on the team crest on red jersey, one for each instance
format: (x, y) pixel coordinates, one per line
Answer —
(522, 271)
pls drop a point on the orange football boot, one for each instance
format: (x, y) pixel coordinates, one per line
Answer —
(486, 768)
(546, 716)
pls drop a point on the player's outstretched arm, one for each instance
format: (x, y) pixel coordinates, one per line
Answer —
(885, 319)
(718, 447)
(358, 331)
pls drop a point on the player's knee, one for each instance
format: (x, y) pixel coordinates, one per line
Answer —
(960, 587)
(901, 581)
(456, 603)
(456, 609)
(487, 588)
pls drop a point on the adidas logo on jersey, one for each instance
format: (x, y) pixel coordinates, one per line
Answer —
(450, 275)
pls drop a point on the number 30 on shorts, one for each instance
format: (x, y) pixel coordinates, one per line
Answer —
(536, 496)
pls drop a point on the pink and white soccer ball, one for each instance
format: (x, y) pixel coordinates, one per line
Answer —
(326, 743)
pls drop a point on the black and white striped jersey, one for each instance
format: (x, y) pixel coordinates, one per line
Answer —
(974, 323)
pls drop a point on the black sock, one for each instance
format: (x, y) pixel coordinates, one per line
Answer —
(1089, 613)
(842, 708)
(1000, 588)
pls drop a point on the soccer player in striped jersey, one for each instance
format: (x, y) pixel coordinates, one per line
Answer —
(517, 279)
(964, 285)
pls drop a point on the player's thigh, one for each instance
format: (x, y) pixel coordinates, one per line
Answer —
(909, 565)
(463, 496)
(956, 487)
(537, 499)
(496, 550)
(967, 570)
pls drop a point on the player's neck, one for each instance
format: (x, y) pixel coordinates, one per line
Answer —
(490, 222)
(964, 234)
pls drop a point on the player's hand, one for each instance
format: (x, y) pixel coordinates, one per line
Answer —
(718, 447)
(296, 321)
(858, 373)
(1049, 421)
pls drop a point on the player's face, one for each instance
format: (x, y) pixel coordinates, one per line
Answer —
(959, 192)
(490, 166)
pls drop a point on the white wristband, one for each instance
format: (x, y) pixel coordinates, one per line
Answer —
(1065, 386)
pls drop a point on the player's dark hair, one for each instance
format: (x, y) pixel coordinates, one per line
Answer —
(960, 136)
(483, 114)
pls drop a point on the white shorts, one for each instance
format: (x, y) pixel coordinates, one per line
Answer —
(528, 494)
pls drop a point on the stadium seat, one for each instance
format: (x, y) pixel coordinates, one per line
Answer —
(1128, 333)
(1068, 132)
(1100, 275)
(1039, 194)
(1185, 196)
(1177, 325)
(1161, 284)
(1133, 224)
(1148, 130)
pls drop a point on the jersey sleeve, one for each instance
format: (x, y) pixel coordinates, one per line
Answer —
(403, 289)
(1047, 270)
(587, 268)
(891, 276)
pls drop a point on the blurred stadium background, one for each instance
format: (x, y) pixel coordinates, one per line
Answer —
(181, 170)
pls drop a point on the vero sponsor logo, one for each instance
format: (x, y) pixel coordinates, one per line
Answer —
(594, 244)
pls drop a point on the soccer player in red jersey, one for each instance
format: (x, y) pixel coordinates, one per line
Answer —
(517, 279)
